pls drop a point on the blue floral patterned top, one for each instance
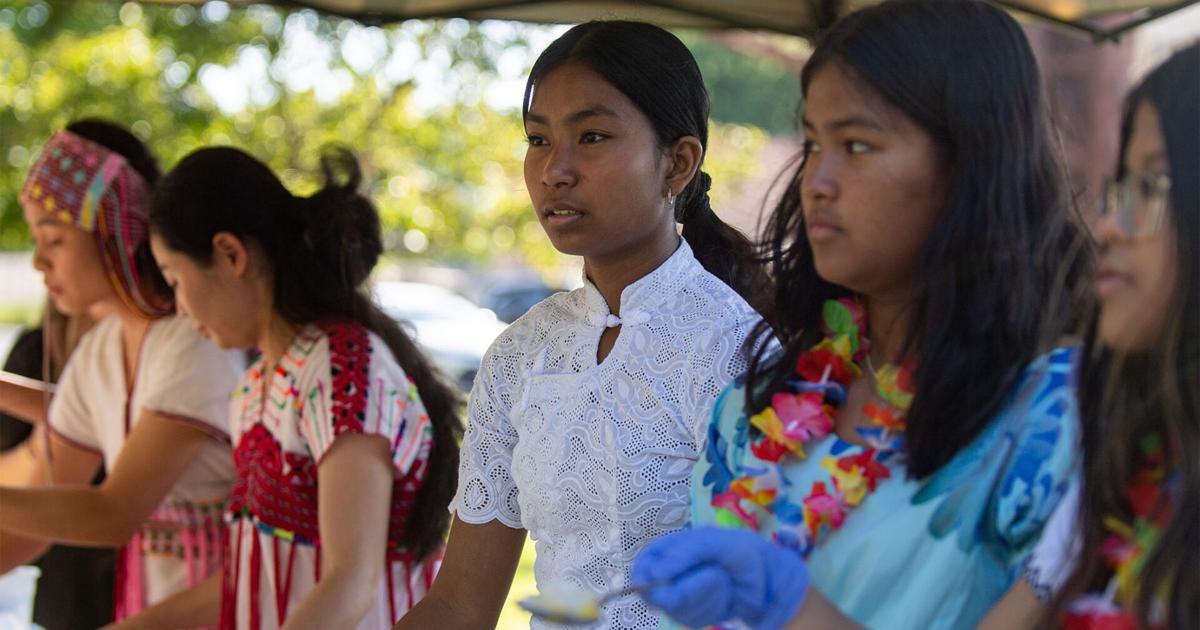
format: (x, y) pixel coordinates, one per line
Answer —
(931, 553)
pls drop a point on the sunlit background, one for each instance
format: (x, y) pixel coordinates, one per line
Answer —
(431, 108)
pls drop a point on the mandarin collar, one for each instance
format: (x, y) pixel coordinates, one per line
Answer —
(644, 296)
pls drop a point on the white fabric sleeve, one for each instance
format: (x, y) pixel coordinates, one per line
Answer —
(390, 405)
(1053, 559)
(486, 488)
(188, 378)
(70, 414)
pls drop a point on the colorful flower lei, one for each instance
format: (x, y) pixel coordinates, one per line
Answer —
(1127, 547)
(806, 411)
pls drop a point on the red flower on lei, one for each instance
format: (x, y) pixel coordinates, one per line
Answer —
(806, 414)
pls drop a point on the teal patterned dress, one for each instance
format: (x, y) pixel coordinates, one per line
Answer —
(931, 553)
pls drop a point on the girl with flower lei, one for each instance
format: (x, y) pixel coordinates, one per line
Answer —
(895, 462)
(1125, 551)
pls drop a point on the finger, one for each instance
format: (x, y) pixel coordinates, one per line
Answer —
(700, 598)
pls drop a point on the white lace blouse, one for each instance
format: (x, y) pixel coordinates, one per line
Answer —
(594, 460)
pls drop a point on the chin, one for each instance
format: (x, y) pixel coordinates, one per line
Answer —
(1124, 335)
(66, 306)
(831, 273)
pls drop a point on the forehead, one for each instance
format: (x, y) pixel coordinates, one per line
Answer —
(835, 93)
(37, 217)
(159, 248)
(572, 88)
(1146, 147)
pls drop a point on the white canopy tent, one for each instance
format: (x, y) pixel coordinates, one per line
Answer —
(1099, 19)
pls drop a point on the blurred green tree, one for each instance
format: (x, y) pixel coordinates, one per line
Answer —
(441, 154)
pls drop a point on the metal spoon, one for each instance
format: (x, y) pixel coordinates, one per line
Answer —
(586, 608)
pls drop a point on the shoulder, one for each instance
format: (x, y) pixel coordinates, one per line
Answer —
(556, 314)
(1011, 477)
(710, 294)
(174, 335)
(355, 355)
(1042, 410)
(103, 340)
(106, 334)
(175, 346)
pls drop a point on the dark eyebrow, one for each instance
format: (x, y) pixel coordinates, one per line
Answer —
(849, 121)
(589, 112)
(47, 221)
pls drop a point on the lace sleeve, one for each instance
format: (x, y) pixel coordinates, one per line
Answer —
(486, 489)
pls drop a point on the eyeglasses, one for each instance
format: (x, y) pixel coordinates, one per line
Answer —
(1137, 202)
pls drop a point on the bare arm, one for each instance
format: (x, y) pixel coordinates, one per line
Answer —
(818, 612)
(1019, 608)
(23, 398)
(356, 478)
(155, 455)
(471, 587)
(197, 607)
(71, 465)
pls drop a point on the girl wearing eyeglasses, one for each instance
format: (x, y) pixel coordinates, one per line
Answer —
(1124, 550)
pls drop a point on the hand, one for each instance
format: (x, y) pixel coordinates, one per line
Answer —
(712, 575)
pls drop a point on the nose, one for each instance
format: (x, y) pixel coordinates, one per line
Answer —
(1107, 230)
(559, 171)
(818, 184)
(40, 261)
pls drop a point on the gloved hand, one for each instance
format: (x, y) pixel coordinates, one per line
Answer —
(712, 575)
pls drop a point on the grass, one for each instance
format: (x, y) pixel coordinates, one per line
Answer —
(512, 617)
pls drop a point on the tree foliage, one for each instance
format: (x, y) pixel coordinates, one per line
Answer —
(444, 171)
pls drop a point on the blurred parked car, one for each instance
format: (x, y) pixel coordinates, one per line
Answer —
(511, 295)
(455, 332)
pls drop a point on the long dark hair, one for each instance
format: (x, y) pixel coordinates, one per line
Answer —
(321, 251)
(998, 278)
(139, 157)
(657, 72)
(1126, 397)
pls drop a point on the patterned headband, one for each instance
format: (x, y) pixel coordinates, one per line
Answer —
(84, 184)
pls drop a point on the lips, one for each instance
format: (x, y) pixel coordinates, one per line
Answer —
(1111, 279)
(560, 213)
(821, 229)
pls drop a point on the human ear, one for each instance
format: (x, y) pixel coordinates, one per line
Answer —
(683, 162)
(231, 251)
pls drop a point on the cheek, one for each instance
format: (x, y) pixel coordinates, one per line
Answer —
(892, 214)
(1156, 270)
(531, 175)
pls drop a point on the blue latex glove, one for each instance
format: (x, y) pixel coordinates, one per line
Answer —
(712, 575)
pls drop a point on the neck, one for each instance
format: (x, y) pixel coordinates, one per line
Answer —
(611, 274)
(274, 336)
(889, 320)
(133, 323)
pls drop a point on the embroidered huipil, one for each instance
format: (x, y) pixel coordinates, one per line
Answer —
(935, 553)
(333, 379)
(594, 460)
(180, 376)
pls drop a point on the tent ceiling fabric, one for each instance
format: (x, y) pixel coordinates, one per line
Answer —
(1101, 19)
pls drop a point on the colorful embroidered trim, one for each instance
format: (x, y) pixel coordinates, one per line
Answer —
(84, 184)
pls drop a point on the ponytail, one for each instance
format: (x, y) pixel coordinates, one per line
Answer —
(321, 251)
(724, 251)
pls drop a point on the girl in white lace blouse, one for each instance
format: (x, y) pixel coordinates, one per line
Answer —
(589, 412)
